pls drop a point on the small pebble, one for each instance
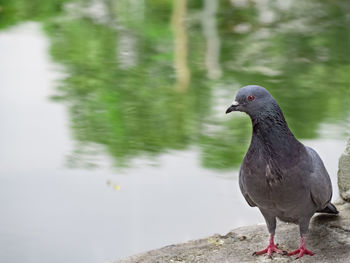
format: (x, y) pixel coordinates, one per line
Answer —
(241, 238)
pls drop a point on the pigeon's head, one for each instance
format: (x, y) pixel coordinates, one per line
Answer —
(252, 100)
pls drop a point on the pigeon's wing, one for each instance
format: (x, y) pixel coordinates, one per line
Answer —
(244, 192)
(320, 183)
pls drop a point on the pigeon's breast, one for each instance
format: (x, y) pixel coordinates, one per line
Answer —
(277, 189)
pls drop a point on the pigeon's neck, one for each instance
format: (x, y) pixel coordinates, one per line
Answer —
(273, 145)
(271, 132)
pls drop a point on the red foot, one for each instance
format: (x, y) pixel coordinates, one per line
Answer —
(271, 248)
(301, 251)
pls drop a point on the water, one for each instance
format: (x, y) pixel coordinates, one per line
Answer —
(114, 139)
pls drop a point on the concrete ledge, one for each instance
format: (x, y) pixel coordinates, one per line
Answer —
(328, 238)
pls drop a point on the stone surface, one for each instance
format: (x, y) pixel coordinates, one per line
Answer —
(344, 174)
(328, 238)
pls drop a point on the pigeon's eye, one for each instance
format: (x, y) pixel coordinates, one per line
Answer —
(251, 97)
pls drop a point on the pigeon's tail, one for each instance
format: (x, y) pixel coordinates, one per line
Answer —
(329, 209)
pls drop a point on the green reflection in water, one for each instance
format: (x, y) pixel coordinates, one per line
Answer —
(14, 11)
(144, 77)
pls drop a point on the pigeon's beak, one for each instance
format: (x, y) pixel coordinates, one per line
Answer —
(233, 107)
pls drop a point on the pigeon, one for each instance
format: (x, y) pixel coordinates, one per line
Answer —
(282, 177)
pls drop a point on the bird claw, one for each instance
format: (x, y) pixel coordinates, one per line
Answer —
(257, 253)
(271, 248)
(268, 256)
(301, 252)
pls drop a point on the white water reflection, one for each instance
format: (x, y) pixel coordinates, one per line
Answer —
(51, 213)
(212, 39)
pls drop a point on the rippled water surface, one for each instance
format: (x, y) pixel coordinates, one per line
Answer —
(113, 134)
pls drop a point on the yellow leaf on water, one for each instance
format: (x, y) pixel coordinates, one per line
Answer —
(116, 187)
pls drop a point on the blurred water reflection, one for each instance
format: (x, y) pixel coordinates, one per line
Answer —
(146, 77)
(153, 79)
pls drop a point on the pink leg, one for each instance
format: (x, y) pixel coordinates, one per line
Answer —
(301, 250)
(271, 248)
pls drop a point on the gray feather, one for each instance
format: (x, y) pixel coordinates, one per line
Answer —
(244, 192)
(321, 186)
(279, 175)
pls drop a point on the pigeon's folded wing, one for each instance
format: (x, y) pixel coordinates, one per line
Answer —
(320, 183)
